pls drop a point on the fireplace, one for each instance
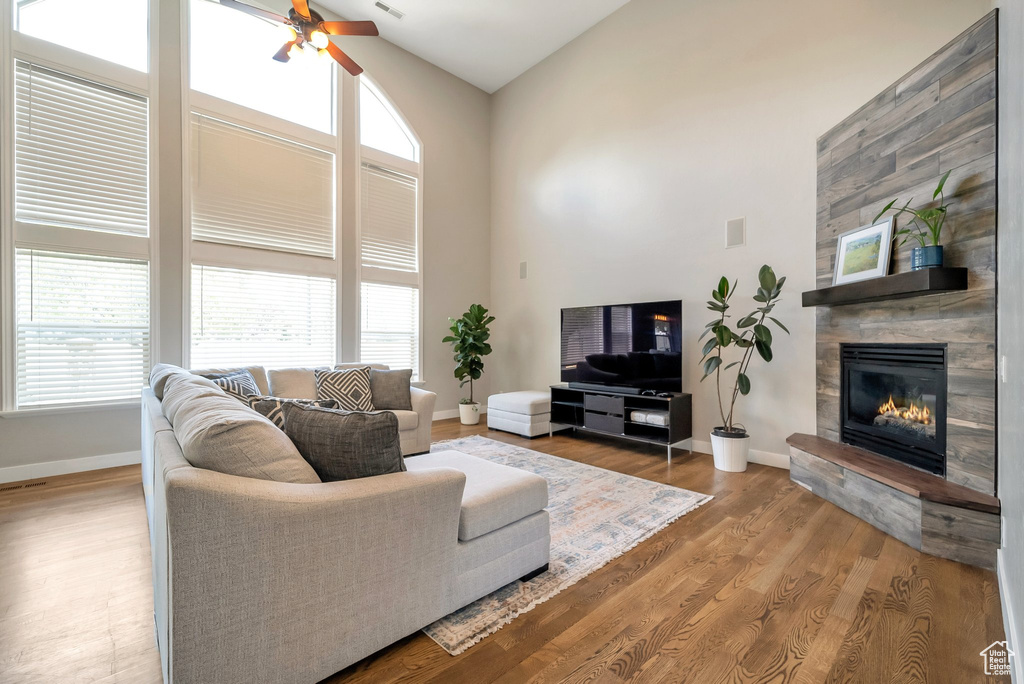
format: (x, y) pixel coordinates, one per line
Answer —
(893, 402)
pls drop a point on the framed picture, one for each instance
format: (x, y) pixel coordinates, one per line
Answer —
(864, 253)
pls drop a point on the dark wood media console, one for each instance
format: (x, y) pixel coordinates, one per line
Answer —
(609, 413)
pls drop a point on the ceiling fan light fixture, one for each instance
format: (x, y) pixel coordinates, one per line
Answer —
(288, 34)
(318, 39)
(295, 51)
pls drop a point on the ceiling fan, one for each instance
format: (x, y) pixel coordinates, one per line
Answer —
(309, 28)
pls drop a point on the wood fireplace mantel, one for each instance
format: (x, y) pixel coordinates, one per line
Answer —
(920, 509)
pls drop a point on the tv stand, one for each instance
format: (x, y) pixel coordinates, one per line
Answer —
(607, 412)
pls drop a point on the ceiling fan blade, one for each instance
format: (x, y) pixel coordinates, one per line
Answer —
(282, 54)
(255, 11)
(350, 28)
(344, 60)
(302, 7)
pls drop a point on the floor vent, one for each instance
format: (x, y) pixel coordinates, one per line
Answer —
(398, 14)
(16, 487)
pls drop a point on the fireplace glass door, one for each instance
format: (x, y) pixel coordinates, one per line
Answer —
(894, 402)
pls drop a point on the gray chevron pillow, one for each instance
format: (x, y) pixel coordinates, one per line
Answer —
(239, 385)
(349, 387)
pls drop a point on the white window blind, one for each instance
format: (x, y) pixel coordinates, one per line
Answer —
(388, 219)
(81, 153)
(582, 333)
(242, 317)
(390, 330)
(257, 190)
(82, 328)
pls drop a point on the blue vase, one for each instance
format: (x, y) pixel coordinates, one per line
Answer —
(926, 257)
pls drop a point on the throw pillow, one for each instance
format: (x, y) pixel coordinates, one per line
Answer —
(350, 388)
(272, 408)
(239, 385)
(389, 389)
(217, 433)
(345, 445)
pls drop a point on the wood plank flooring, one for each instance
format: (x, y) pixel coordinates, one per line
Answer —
(767, 583)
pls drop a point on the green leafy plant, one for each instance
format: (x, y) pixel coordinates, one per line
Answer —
(926, 226)
(469, 342)
(751, 334)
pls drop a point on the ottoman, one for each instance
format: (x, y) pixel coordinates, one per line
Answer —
(523, 413)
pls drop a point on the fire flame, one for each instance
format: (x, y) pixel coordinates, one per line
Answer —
(917, 415)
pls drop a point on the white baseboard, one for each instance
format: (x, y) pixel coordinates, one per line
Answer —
(33, 471)
(454, 413)
(768, 458)
(1009, 624)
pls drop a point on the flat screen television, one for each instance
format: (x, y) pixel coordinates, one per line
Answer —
(624, 345)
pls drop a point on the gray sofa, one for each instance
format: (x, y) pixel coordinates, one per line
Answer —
(300, 383)
(261, 580)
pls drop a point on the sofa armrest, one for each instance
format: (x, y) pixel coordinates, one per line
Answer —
(423, 404)
(287, 582)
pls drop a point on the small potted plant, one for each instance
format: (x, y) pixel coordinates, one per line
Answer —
(730, 442)
(469, 342)
(925, 227)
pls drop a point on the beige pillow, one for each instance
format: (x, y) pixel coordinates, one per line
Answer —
(293, 383)
(217, 432)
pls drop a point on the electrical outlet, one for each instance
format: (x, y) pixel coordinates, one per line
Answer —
(522, 270)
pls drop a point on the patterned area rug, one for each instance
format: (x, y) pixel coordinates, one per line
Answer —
(596, 516)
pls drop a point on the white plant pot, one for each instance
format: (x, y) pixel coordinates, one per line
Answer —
(469, 413)
(730, 452)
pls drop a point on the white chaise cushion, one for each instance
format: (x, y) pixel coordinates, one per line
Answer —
(495, 495)
(529, 403)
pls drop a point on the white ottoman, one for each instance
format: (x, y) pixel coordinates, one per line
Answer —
(523, 413)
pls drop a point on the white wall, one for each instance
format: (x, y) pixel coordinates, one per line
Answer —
(452, 119)
(617, 161)
(1011, 319)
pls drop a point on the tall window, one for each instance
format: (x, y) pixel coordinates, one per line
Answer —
(264, 160)
(81, 209)
(389, 234)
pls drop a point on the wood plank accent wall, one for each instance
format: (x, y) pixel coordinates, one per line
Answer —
(940, 116)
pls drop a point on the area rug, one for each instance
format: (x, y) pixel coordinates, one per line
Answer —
(596, 516)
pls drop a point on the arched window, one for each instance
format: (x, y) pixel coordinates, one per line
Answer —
(389, 234)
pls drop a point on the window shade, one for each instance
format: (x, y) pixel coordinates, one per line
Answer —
(81, 153)
(82, 328)
(253, 317)
(256, 190)
(582, 333)
(390, 326)
(387, 222)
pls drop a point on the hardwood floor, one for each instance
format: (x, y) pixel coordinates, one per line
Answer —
(767, 583)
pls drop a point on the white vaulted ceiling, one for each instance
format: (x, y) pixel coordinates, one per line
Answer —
(485, 42)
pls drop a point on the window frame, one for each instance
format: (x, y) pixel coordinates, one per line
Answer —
(197, 252)
(23, 235)
(385, 160)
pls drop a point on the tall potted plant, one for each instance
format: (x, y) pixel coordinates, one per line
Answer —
(730, 442)
(925, 227)
(469, 342)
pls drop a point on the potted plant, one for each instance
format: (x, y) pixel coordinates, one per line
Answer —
(730, 442)
(925, 227)
(469, 342)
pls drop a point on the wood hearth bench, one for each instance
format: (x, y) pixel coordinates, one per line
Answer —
(922, 510)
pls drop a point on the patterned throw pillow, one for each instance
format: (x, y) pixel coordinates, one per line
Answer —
(273, 407)
(350, 387)
(240, 385)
